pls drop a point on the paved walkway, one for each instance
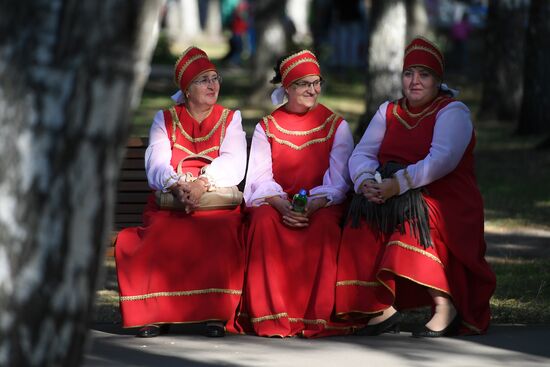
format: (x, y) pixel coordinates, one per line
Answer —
(504, 345)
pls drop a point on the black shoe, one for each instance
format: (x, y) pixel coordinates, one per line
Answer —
(450, 330)
(152, 330)
(215, 331)
(389, 325)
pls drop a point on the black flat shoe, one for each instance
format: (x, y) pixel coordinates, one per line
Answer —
(215, 331)
(389, 325)
(150, 331)
(450, 330)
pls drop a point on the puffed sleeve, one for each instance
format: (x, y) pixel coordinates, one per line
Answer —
(364, 159)
(336, 180)
(259, 178)
(160, 174)
(452, 134)
(229, 167)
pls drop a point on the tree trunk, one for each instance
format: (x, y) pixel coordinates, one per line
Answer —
(386, 47)
(417, 20)
(271, 39)
(68, 72)
(503, 60)
(535, 105)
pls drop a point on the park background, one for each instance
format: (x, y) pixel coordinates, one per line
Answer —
(500, 68)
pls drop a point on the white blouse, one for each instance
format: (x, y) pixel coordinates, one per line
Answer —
(227, 169)
(452, 134)
(259, 178)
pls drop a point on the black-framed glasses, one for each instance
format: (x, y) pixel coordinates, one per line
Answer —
(302, 84)
(203, 82)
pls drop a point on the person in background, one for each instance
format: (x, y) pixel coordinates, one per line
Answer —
(291, 261)
(420, 240)
(187, 266)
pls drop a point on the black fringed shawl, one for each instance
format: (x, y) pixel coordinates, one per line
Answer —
(390, 216)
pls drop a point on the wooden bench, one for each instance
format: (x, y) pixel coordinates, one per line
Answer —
(132, 189)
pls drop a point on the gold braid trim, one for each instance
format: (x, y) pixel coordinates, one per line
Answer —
(199, 154)
(308, 321)
(141, 297)
(406, 124)
(412, 280)
(404, 106)
(296, 63)
(299, 132)
(186, 65)
(176, 121)
(357, 282)
(427, 49)
(415, 249)
(268, 317)
(306, 144)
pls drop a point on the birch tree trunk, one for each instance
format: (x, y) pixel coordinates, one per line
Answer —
(503, 60)
(386, 48)
(417, 20)
(271, 44)
(534, 118)
(68, 72)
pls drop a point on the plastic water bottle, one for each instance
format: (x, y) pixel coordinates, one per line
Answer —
(299, 201)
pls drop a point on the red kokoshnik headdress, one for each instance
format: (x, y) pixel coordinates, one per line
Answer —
(299, 65)
(421, 52)
(191, 64)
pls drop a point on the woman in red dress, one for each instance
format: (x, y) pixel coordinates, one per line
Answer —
(187, 266)
(291, 264)
(420, 240)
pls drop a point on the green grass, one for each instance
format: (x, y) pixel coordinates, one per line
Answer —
(523, 291)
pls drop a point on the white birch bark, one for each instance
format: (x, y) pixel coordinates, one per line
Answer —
(69, 73)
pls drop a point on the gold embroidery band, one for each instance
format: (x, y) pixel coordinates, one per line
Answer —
(405, 123)
(199, 154)
(306, 144)
(176, 120)
(362, 283)
(298, 132)
(140, 297)
(186, 65)
(268, 317)
(415, 249)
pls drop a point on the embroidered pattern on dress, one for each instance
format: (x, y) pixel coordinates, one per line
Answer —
(176, 122)
(334, 118)
(406, 124)
(298, 132)
(362, 283)
(199, 154)
(415, 249)
(180, 293)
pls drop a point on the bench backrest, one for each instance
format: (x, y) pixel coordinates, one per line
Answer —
(132, 190)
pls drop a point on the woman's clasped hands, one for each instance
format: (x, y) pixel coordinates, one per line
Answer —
(189, 193)
(379, 192)
(293, 218)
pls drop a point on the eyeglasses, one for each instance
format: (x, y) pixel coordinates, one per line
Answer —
(303, 85)
(203, 82)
